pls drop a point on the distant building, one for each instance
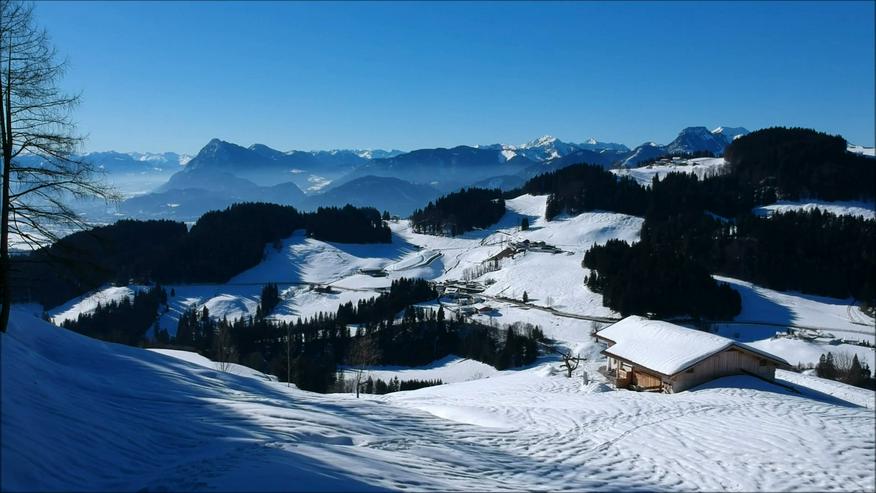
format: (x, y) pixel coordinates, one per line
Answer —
(653, 355)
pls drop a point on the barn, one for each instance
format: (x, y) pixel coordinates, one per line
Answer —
(652, 355)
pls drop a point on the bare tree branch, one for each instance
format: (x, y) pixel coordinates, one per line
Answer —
(38, 141)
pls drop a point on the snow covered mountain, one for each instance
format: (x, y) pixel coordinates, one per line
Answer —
(694, 139)
(690, 140)
(222, 170)
(266, 166)
(730, 133)
(376, 153)
(445, 169)
(644, 152)
(548, 148)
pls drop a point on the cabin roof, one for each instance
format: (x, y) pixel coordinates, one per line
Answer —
(665, 347)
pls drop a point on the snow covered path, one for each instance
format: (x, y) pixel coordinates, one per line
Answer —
(82, 414)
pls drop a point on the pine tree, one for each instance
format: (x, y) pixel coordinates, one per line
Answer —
(856, 373)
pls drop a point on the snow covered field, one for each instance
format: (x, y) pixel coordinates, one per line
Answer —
(701, 167)
(867, 210)
(450, 369)
(554, 282)
(83, 414)
(172, 420)
(830, 319)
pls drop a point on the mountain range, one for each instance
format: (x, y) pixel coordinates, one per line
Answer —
(223, 172)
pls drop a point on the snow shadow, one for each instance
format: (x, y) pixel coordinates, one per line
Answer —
(112, 417)
(757, 307)
(754, 383)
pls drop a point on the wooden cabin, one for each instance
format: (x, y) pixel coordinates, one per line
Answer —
(652, 355)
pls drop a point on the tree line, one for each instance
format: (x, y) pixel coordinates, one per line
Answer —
(126, 321)
(668, 271)
(584, 187)
(694, 228)
(842, 368)
(308, 352)
(458, 212)
(378, 386)
(219, 245)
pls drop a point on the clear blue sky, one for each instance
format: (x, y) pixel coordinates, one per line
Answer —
(170, 76)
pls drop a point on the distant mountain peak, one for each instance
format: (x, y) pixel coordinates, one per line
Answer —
(541, 141)
(699, 131)
(730, 133)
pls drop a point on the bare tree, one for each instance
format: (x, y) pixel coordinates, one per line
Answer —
(35, 124)
(223, 347)
(363, 353)
(571, 360)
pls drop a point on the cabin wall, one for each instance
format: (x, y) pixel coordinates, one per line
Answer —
(730, 362)
(645, 380)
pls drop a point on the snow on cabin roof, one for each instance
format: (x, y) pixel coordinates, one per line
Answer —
(664, 347)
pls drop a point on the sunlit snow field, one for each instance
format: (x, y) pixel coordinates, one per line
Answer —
(172, 420)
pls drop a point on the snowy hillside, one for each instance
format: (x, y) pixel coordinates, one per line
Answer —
(147, 421)
(864, 209)
(866, 151)
(559, 301)
(184, 424)
(701, 167)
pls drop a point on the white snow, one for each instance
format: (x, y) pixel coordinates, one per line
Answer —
(554, 283)
(766, 315)
(810, 384)
(232, 368)
(866, 151)
(88, 303)
(840, 317)
(861, 208)
(450, 369)
(701, 167)
(82, 414)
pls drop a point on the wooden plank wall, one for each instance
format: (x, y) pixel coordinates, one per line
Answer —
(728, 362)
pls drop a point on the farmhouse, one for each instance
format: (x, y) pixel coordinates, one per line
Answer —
(652, 355)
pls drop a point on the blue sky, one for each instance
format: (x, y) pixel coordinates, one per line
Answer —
(170, 76)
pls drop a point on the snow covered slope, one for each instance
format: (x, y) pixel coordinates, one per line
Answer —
(828, 322)
(450, 369)
(199, 360)
(88, 302)
(864, 209)
(701, 167)
(82, 414)
(865, 151)
(554, 282)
